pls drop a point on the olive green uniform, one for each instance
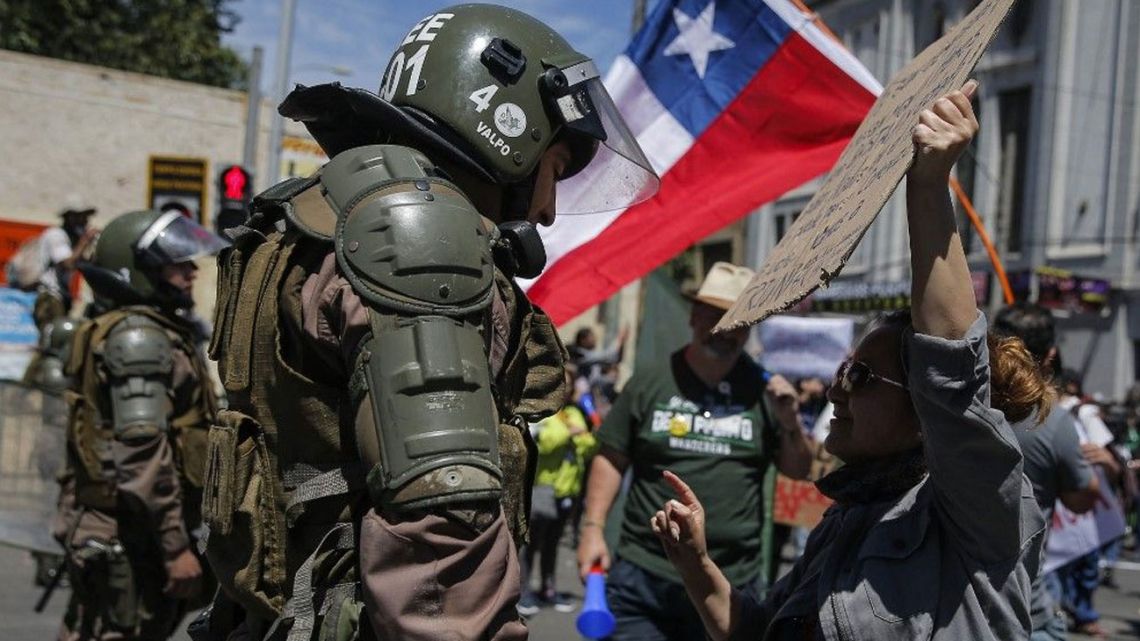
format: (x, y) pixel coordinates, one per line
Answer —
(129, 500)
(371, 476)
(292, 526)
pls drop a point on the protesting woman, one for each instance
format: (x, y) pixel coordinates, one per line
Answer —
(935, 532)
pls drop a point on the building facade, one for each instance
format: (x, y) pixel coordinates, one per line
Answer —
(1054, 173)
(76, 131)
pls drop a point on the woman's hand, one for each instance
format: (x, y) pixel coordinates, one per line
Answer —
(943, 133)
(680, 525)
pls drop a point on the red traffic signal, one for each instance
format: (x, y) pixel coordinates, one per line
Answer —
(235, 192)
(235, 184)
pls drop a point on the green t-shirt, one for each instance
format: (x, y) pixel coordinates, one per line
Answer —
(718, 440)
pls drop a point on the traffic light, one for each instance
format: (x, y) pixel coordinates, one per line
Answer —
(235, 190)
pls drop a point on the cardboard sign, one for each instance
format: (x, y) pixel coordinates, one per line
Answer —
(827, 232)
(798, 503)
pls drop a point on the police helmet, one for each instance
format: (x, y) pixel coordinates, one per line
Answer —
(133, 248)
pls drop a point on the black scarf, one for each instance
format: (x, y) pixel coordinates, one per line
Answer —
(874, 481)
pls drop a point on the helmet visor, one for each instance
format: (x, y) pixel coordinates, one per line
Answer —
(174, 238)
(619, 175)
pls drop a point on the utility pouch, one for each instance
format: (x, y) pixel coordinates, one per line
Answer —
(517, 453)
(92, 449)
(246, 547)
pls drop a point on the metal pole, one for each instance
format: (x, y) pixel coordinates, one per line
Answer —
(284, 53)
(253, 111)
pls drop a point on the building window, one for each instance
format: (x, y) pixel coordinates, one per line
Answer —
(1013, 108)
(929, 27)
(689, 268)
(863, 41)
(1018, 22)
(714, 252)
(783, 221)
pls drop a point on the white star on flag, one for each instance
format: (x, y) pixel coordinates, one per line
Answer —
(697, 38)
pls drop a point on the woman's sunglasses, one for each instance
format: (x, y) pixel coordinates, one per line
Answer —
(855, 375)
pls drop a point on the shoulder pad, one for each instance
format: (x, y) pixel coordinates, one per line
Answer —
(138, 346)
(57, 335)
(406, 239)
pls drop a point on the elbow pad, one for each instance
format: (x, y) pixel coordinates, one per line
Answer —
(138, 356)
(419, 255)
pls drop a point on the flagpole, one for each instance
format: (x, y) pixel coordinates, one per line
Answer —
(638, 16)
(976, 222)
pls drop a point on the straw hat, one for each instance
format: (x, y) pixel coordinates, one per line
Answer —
(724, 283)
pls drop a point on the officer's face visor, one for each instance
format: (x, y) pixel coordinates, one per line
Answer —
(609, 172)
(174, 238)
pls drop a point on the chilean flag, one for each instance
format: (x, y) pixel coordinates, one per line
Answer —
(734, 102)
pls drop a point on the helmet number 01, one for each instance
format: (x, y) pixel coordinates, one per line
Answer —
(414, 65)
(482, 97)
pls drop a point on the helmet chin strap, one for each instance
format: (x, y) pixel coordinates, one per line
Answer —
(517, 197)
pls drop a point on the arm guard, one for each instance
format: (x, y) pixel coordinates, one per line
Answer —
(138, 359)
(419, 255)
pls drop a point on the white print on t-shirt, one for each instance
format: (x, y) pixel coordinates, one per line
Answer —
(682, 424)
(704, 447)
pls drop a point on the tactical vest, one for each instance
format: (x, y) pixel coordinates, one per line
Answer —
(89, 431)
(285, 489)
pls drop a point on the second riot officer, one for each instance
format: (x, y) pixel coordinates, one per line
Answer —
(140, 405)
(372, 474)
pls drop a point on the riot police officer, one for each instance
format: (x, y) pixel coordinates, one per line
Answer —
(371, 476)
(140, 406)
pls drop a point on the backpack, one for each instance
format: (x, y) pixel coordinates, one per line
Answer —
(27, 266)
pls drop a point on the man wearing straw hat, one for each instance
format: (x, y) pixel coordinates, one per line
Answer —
(712, 413)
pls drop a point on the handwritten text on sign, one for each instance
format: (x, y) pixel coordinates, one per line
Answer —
(823, 237)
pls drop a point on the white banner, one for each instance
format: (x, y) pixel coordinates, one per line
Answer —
(1072, 536)
(798, 347)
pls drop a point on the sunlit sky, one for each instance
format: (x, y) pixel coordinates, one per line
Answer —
(359, 35)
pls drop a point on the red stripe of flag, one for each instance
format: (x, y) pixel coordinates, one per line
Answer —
(788, 125)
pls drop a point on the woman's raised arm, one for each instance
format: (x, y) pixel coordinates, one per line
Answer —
(942, 295)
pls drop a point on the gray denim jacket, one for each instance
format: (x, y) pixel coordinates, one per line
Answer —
(952, 558)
